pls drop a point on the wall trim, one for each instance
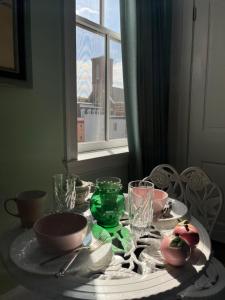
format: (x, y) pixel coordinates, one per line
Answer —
(69, 52)
(180, 71)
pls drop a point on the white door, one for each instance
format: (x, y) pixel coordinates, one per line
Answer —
(207, 105)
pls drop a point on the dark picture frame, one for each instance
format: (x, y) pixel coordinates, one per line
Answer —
(12, 39)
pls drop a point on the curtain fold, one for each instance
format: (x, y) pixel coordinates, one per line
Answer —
(129, 56)
(145, 35)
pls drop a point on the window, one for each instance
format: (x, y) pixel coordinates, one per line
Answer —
(101, 120)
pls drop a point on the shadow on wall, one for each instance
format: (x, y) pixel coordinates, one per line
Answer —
(6, 281)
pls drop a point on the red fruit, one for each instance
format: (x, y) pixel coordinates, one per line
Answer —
(174, 250)
(187, 232)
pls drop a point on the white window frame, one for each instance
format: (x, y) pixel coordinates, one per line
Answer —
(72, 149)
(69, 48)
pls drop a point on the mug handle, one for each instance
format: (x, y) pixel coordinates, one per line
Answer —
(6, 207)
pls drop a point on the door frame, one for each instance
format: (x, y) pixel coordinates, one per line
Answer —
(180, 82)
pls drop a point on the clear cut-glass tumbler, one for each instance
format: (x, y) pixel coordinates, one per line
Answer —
(140, 197)
(64, 190)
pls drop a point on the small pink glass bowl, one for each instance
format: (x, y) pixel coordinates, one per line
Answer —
(159, 200)
(60, 232)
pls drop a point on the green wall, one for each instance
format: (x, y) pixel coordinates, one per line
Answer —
(31, 118)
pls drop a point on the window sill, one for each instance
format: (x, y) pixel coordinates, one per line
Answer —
(96, 163)
(102, 153)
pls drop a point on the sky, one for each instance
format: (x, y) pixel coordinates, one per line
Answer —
(90, 9)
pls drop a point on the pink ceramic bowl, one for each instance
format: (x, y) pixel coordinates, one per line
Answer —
(60, 232)
(159, 200)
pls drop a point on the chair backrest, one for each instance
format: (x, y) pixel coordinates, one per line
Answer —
(202, 196)
(165, 177)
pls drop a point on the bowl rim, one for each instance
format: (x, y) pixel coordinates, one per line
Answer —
(59, 236)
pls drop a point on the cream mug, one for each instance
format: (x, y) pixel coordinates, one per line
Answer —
(30, 206)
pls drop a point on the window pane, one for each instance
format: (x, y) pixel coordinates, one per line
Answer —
(88, 9)
(112, 15)
(117, 117)
(90, 86)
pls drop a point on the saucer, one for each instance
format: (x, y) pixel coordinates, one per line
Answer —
(178, 211)
(26, 253)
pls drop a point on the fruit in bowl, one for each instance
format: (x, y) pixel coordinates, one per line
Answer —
(82, 190)
(60, 232)
(187, 232)
(159, 200)
(175, 251)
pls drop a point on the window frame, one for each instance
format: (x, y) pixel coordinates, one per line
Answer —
(70, 90)
(108, 35)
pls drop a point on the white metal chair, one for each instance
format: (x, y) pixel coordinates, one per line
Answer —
(165, 177)
(204, 200)
(202, 196)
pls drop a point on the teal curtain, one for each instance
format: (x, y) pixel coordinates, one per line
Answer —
(145, 35)
(129, 56)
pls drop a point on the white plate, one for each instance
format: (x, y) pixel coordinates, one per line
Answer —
(178, 211)
(26, 253)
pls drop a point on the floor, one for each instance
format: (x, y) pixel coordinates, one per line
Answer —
(219, 251)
